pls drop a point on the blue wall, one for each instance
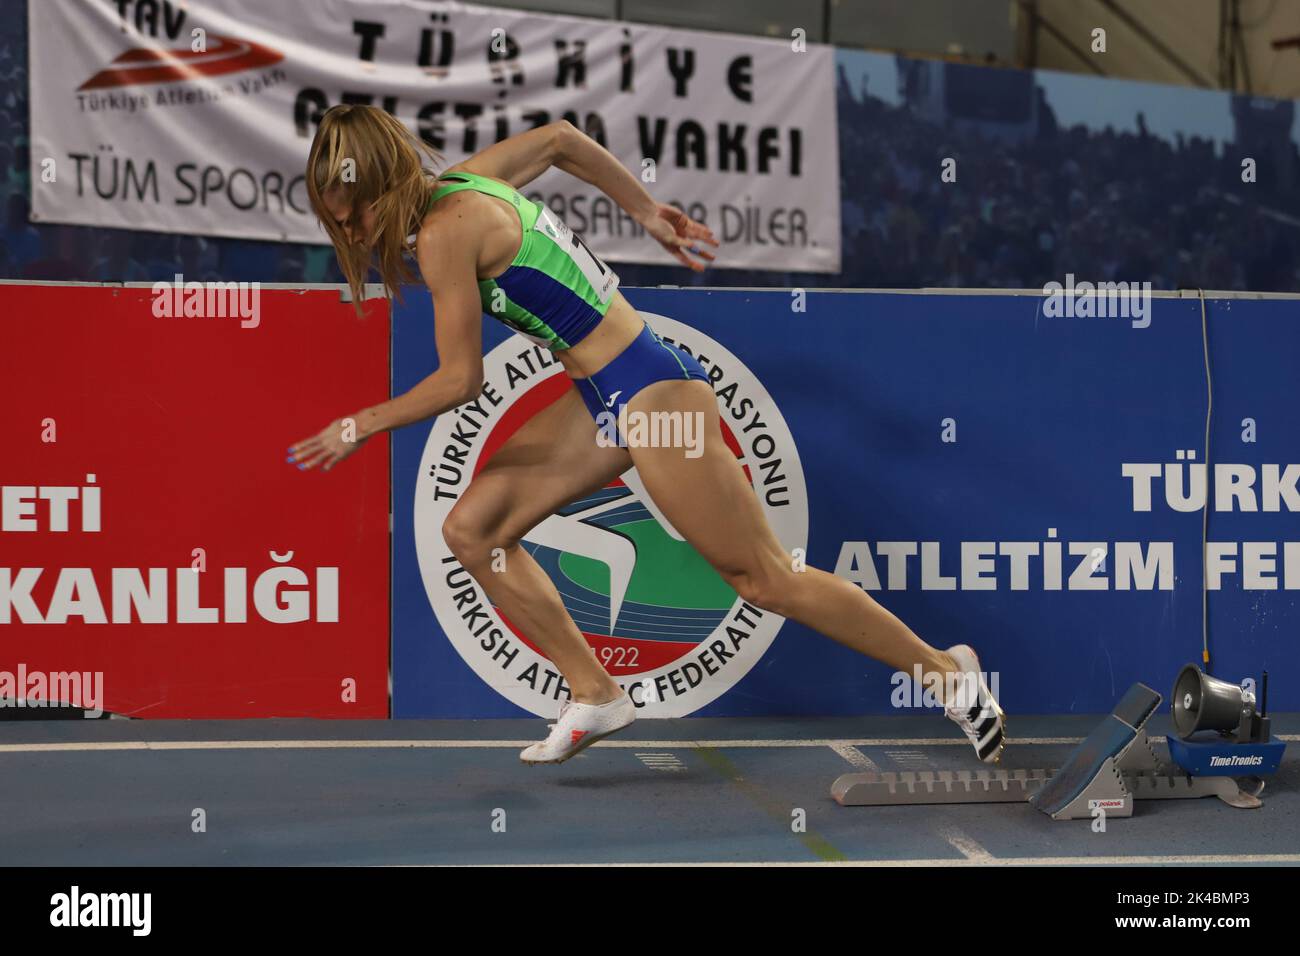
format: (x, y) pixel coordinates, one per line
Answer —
(1046, 411)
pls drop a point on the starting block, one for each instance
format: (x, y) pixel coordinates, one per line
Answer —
(1114, 766)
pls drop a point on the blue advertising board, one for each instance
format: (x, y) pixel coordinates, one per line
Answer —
(993, 472)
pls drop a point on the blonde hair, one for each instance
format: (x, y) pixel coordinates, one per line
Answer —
(387, 171)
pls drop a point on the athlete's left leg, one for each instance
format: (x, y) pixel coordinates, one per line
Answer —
(709, 501)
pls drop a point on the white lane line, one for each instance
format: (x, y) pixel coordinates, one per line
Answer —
(908, 758)
(488, 744)
(966, 846)
(855, 756)
(1255, 859)
(512, 744)
(661, 761)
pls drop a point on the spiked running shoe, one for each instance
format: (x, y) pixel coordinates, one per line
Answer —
(975, 711)
(578, 727)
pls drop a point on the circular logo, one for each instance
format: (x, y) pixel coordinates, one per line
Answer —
(660, 619)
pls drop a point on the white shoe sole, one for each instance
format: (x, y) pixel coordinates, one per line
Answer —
(583, 744)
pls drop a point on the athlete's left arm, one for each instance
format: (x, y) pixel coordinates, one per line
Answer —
(522, 158)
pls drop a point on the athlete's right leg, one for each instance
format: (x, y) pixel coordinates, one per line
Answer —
(550, 461)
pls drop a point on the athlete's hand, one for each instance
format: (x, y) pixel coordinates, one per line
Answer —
(679, 234)
(328, 447)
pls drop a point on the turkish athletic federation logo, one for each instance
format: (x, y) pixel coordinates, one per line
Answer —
(661, 620)
(150, 64)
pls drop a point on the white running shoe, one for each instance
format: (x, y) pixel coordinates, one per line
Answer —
(580, 726)
(976, 712)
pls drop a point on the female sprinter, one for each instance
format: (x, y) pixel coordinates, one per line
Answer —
(483, 248)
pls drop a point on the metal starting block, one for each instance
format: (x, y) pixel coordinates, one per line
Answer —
(937, 786)
(1115, 765)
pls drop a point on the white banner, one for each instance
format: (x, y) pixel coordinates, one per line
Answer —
(196, 117)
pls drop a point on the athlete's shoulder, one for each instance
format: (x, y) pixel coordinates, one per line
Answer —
(454, 227)
(454, 217)
(467, 170)
(470, 182)
(463, 202)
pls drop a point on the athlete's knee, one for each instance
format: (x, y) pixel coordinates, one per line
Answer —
(766, 587)
(474, 540)
(458, 531)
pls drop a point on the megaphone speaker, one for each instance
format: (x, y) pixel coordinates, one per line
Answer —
(1201, 702)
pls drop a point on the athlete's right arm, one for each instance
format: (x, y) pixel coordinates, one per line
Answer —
(448, 256)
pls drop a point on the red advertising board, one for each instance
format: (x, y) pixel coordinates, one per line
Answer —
(154, 533)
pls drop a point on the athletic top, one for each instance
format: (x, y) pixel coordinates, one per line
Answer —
(556, 290)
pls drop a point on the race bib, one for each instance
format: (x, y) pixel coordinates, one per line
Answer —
(601, 277)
